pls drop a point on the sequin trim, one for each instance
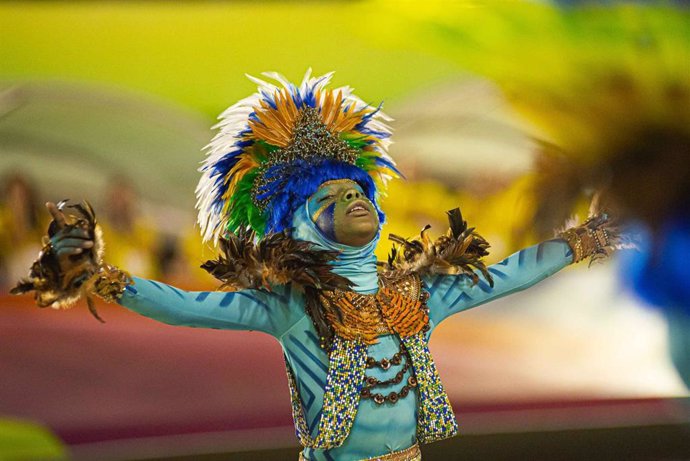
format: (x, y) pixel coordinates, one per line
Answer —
(435, 420)
(347, 361)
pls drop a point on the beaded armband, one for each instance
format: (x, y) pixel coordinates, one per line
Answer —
(110, 283)
(596, 238)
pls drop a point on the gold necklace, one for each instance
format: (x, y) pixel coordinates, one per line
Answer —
(366, 317)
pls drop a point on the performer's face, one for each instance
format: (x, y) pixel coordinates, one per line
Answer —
(343, 213)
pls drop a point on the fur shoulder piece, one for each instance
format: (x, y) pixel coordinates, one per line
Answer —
(459, 251)
(276, 259)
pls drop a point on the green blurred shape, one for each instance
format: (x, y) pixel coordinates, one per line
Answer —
(22, 440)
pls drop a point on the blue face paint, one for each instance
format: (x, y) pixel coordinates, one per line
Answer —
(321, 206)
(325, 222)
(356, 263)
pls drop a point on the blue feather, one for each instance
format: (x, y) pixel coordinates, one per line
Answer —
(388, 164)
(296, 96)
(369, 116)
(286, 196)
(310, 98)
(377, 134)
(242, 143)
(221, 168)
(269, 99)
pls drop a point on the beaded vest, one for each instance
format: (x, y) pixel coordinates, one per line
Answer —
(401, 311)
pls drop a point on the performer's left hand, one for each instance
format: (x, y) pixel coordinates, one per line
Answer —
(67, 241)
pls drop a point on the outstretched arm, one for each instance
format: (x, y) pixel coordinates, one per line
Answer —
(71, 266)
(271, 312)
(450, 294)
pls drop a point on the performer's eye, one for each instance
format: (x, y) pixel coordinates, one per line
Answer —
(327, 197)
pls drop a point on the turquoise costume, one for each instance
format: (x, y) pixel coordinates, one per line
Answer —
(292, 175)
(377, 429)
(263, 171)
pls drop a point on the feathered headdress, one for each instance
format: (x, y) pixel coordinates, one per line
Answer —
(275, 148)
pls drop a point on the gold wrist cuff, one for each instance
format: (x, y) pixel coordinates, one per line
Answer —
(110, 282)
(590, 240)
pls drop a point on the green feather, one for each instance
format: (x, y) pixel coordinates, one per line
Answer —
(262, 151)
(354, 140)
(243, 212)
(366, 162)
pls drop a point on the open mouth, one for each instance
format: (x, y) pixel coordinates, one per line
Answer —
(358, 208)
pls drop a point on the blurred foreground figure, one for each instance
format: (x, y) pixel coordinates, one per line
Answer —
(131, 240)
(21, 227)
(135, 243)
(289, 192)
(607, 89)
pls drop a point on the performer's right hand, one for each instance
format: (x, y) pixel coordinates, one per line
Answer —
(67, 241)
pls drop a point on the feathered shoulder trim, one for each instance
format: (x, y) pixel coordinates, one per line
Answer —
(276, 259)
(459, 251)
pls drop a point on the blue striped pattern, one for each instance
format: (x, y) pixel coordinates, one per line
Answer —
(540, 252)
(245, 310)
(451, 289)
(434, 285)
(521, 257)
(302, 347)
(462, 298)
(201, 297)
(450, 294)
(497, 273)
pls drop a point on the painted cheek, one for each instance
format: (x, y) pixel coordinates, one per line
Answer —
(317, 202)
(326, 222)
(337, 223)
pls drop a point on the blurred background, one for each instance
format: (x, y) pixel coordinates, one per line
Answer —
(516, 112)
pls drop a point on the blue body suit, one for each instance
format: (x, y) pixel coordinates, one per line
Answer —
(377, 429)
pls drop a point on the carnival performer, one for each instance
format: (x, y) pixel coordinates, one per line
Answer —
(289, 193)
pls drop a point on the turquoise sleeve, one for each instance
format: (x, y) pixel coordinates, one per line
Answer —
(271, 312)
(450, 294)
